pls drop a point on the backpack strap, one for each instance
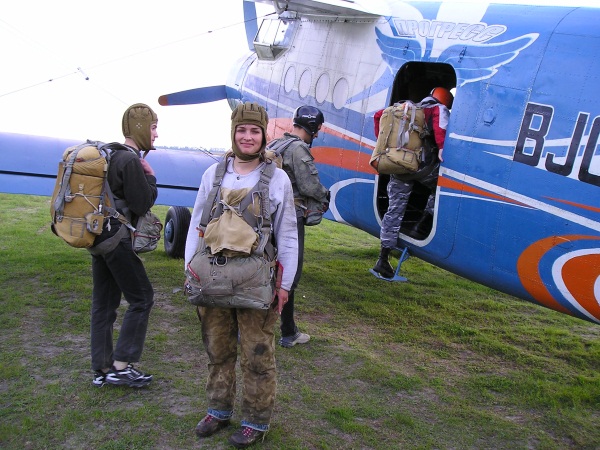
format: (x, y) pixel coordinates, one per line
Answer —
(262, 223)
(115, 202)
(278, 146)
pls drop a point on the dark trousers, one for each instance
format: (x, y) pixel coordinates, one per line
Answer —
(288, 325)
(120, 272)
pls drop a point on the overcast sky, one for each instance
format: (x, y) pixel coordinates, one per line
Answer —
(131, 51)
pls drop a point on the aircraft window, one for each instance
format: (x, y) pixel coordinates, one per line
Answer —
(304, 84)
(340, 93)
(274, 37)
(322, 88)
(290, 79)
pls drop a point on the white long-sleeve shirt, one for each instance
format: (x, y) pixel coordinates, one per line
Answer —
(283, 214)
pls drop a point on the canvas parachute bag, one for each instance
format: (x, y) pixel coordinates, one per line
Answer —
(399, 146)
(234, 265)
(147, 231)
(81, 198)
(82, 202)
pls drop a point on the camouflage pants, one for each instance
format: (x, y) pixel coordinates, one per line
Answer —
(398, 193)
(220, 328)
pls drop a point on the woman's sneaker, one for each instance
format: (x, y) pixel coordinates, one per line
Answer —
(128, 377)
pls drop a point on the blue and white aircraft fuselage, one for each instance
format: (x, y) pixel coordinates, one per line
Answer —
(518, 197)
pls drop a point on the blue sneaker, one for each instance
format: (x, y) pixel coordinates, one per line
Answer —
(290, 341)
(128, 377)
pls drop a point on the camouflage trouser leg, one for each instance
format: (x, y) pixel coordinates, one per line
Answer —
(259, 376)
(220, 338)
(398, 194)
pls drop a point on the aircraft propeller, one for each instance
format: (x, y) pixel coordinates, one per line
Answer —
(209, 94)
(194, 96)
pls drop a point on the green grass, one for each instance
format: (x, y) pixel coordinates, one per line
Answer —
(435, 363)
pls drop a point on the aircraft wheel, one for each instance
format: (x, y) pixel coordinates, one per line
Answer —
(176, 228)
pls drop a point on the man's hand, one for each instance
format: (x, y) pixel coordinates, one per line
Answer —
(282, 296)
(440, 154)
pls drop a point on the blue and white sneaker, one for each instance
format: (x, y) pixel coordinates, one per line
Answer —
(128, 377)
(99, 379)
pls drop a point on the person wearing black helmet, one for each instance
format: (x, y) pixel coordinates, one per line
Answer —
(298, 163)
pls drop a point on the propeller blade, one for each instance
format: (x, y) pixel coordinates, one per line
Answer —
(194, 96)
(251, 23)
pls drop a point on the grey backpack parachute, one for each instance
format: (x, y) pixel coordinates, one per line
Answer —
(220, 276)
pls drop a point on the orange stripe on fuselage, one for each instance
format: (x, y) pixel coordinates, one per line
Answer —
(332, 156)
(528, 271)
(346, 159)
(456, 185)
(578, 205)
(580, 275)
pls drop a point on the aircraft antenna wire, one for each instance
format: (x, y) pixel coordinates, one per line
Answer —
(80, 70)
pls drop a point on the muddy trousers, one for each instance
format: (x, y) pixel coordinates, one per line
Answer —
(220, 328)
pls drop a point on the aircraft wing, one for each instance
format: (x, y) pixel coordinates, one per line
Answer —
(346, 8)
(29, 165)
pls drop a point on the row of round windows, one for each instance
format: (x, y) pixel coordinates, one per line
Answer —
(339, 94)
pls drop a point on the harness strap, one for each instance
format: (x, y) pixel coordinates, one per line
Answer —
(261, 223)
(212, 195)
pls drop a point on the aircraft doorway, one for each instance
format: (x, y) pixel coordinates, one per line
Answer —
(415, 81)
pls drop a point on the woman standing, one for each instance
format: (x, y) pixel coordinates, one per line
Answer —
(242, 170)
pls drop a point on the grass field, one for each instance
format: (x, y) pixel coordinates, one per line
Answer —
(436, 363)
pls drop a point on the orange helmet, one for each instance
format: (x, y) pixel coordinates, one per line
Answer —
(443, 95)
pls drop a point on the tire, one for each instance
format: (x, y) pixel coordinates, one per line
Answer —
(176, 229)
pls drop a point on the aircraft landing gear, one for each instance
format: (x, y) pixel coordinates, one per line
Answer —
(177, 223)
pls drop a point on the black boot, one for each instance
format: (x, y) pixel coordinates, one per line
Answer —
(422, 228)
(383, 266)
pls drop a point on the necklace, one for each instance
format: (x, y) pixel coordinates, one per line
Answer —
(238, 175)
(241, 175)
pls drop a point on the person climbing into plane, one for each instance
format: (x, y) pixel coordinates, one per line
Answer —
(436, 107)
(298, 163)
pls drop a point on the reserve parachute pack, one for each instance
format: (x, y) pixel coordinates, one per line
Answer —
(235, 263)
(400, 143)
(82, 200)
